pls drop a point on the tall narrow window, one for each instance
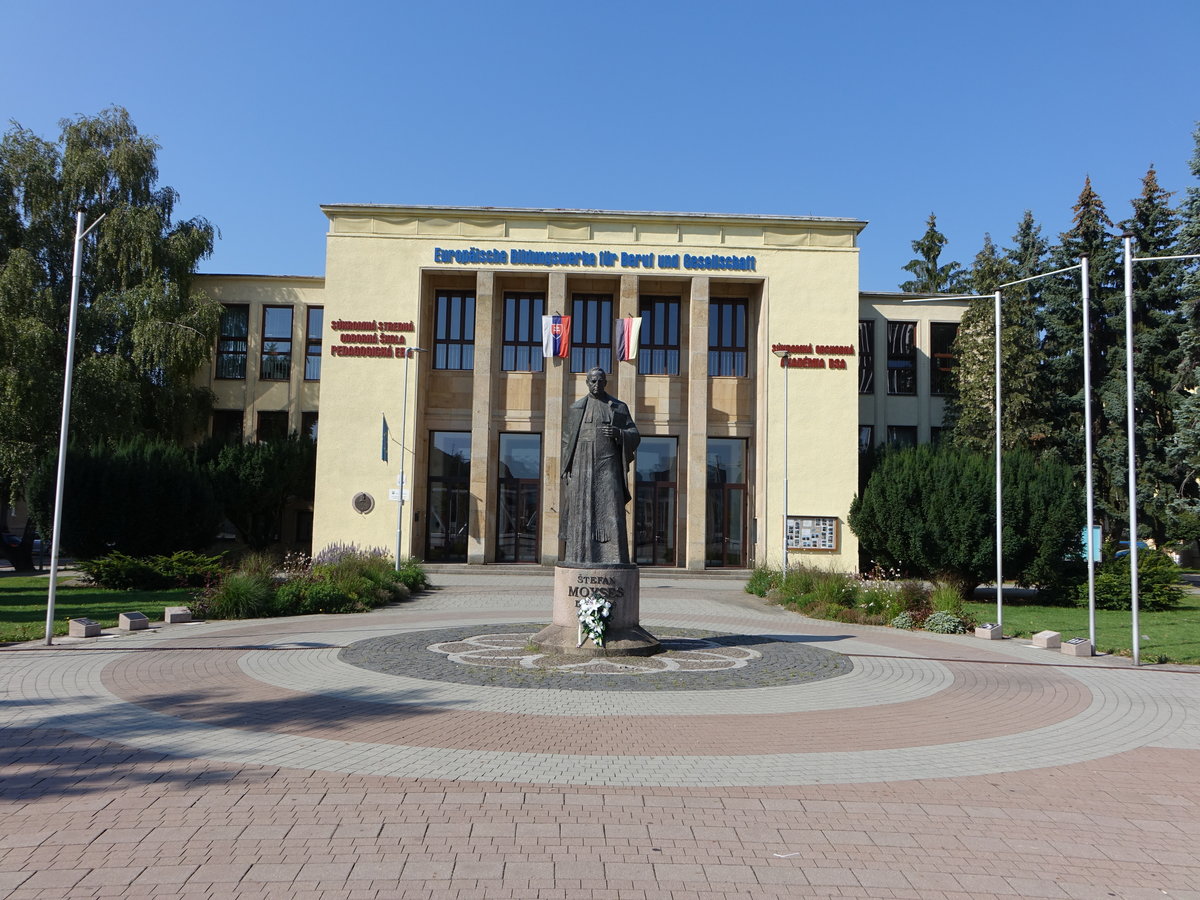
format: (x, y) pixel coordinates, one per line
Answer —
(231, 344)
(454, 330)
(591, 332)
(523, 332)
(727, 337)
(866, 356)
(658, 350)
(449, 496)
(276, 362)
(312, 344)
(902, 357)
(655, 513)
(941, 356)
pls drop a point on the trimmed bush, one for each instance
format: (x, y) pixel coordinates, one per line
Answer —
(184, 568)
(1158, 583)
(945, 623)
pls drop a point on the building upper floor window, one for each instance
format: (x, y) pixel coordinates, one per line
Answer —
(312, 344)
(522, 348)
(231, 342)
(941, 355)
(454, 330)
(866, 356)
(902, 435)
(276, 362)
(902, 357)
(591, 332)
(658, 348)
(727, 329)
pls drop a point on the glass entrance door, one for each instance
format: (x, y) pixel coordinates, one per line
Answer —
(519, 491)
(449, 496)
(725, 522)
(655, 512)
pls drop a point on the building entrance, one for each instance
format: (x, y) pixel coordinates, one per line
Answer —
(519, 492)
(449, 496)
(725, 522)
(655, 513)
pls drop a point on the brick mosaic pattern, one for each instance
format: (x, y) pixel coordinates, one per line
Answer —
(246, 760)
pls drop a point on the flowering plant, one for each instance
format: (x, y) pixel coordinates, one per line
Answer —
(593, 618)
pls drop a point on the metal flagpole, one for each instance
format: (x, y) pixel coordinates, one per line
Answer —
(999, 486)
(64, 425)
(784, 357)
(1127, 239)
(408, 355)
(1086, 289)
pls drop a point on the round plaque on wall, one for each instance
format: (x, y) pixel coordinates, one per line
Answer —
(363, 502)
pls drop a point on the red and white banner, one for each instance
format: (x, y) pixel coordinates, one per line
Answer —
(628, 333)
(556, 336)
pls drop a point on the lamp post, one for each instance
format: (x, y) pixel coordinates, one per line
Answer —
(65, 423)
(784, 359)
(408, 355)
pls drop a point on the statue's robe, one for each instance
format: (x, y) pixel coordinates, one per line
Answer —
(595, 475)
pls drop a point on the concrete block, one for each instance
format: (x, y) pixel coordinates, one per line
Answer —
(79, 628)
(989, 631)
(1077, 647)
(174, 615)
(1048, 640)
(132, 621)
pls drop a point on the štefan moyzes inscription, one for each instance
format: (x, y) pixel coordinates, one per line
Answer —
(599, 442)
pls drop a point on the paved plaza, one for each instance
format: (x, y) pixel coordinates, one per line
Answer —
(297, 758)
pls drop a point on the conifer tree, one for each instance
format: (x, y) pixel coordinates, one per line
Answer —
(928, 276)
(1158, 325)
(1060, 322)
(1185, 443)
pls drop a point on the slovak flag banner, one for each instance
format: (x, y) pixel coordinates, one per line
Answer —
(556, 336)
(628, 331)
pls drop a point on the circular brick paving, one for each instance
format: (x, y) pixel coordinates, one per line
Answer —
(694, 661)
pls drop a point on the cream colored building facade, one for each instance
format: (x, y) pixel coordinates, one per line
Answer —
(736, 312)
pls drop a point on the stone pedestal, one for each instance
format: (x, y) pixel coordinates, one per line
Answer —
(989, 631)
(174, 615)
(1048, 640)
(132, 621)
(1076, 647)
(81, 628)
(620, 585)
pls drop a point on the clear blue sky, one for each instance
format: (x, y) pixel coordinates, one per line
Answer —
(883, 111)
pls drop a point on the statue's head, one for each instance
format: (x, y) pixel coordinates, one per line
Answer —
(596, 381)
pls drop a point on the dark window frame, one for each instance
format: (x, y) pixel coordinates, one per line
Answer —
(521, 336)
(271, 418)
(658, 343)
(312, 345)
(232, 347)
(591, 332)
(728, 337)
(941, 357)
(272, 362)
(866, 356)
(902, 358)
(454, 330)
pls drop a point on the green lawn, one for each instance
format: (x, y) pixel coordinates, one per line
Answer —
(23, 606)
(1174, 634)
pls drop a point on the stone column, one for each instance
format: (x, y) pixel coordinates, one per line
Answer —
(626, 388)
(556, 385)
(481, 543)
(696, 464)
